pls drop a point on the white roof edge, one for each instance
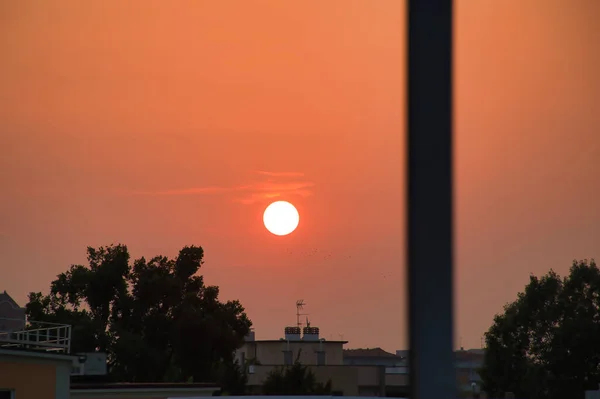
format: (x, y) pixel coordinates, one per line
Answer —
(157, 390)
(39, 355)
(286, 397)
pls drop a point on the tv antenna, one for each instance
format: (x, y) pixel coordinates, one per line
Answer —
(299, 307)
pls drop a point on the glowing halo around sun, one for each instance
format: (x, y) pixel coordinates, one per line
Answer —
(281, 218)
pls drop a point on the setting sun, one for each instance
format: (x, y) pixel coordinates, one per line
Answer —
(281, 218)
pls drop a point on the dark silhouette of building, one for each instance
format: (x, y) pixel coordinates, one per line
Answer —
(12, 316)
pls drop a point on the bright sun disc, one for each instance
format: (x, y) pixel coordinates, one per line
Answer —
(281, 218)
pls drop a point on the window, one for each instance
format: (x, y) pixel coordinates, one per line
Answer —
(242, 359)
(321, 358)
(6, 394)
(287, 357)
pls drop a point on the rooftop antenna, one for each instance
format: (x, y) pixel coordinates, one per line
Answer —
(299, 307)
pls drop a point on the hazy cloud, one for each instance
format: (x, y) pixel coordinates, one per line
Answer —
(278, 185)
(191, 191)
(273, 190)
(280, 174)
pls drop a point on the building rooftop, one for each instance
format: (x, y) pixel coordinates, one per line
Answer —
(31, 353)
(469, 354)
(16, 332)
(368, 352)
(4, 297)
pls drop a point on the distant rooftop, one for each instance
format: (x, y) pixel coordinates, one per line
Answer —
(470, 354)
(368, 352)
(4, 297)
(16, 332)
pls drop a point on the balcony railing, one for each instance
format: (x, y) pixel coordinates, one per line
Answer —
(38, 336)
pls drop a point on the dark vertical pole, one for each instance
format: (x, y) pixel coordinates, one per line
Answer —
(430, 277)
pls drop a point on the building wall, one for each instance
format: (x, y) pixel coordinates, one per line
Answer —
(373, 361)
(52, 377)
(63, 380)
(272, 352)
(18, 376)
(467, 370)
(396, 380)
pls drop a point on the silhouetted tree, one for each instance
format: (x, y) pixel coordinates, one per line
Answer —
(545, 344)
(233, 379)
(157, 320)
(294, 380)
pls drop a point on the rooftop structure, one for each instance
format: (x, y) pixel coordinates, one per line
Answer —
(16, 332)
(369, 352)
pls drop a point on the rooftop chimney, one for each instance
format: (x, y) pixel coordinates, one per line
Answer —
(292, 333)
(310, 334)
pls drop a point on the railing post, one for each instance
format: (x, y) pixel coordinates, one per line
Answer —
(50, 336)
(69, 339)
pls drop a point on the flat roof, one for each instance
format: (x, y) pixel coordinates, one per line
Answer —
(142, 385)
(29, 353)
(295, 397)
(147, 389)
(370, 352)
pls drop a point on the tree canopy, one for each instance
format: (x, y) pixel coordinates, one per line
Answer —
(156, 319)
(545, 344)
(297, 379)
(232, 379)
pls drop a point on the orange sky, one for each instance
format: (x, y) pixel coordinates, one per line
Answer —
(148, 123)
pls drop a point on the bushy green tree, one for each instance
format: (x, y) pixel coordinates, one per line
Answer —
(545, 344)
(156, 319)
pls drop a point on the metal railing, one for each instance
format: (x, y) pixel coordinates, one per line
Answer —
(37, 335)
